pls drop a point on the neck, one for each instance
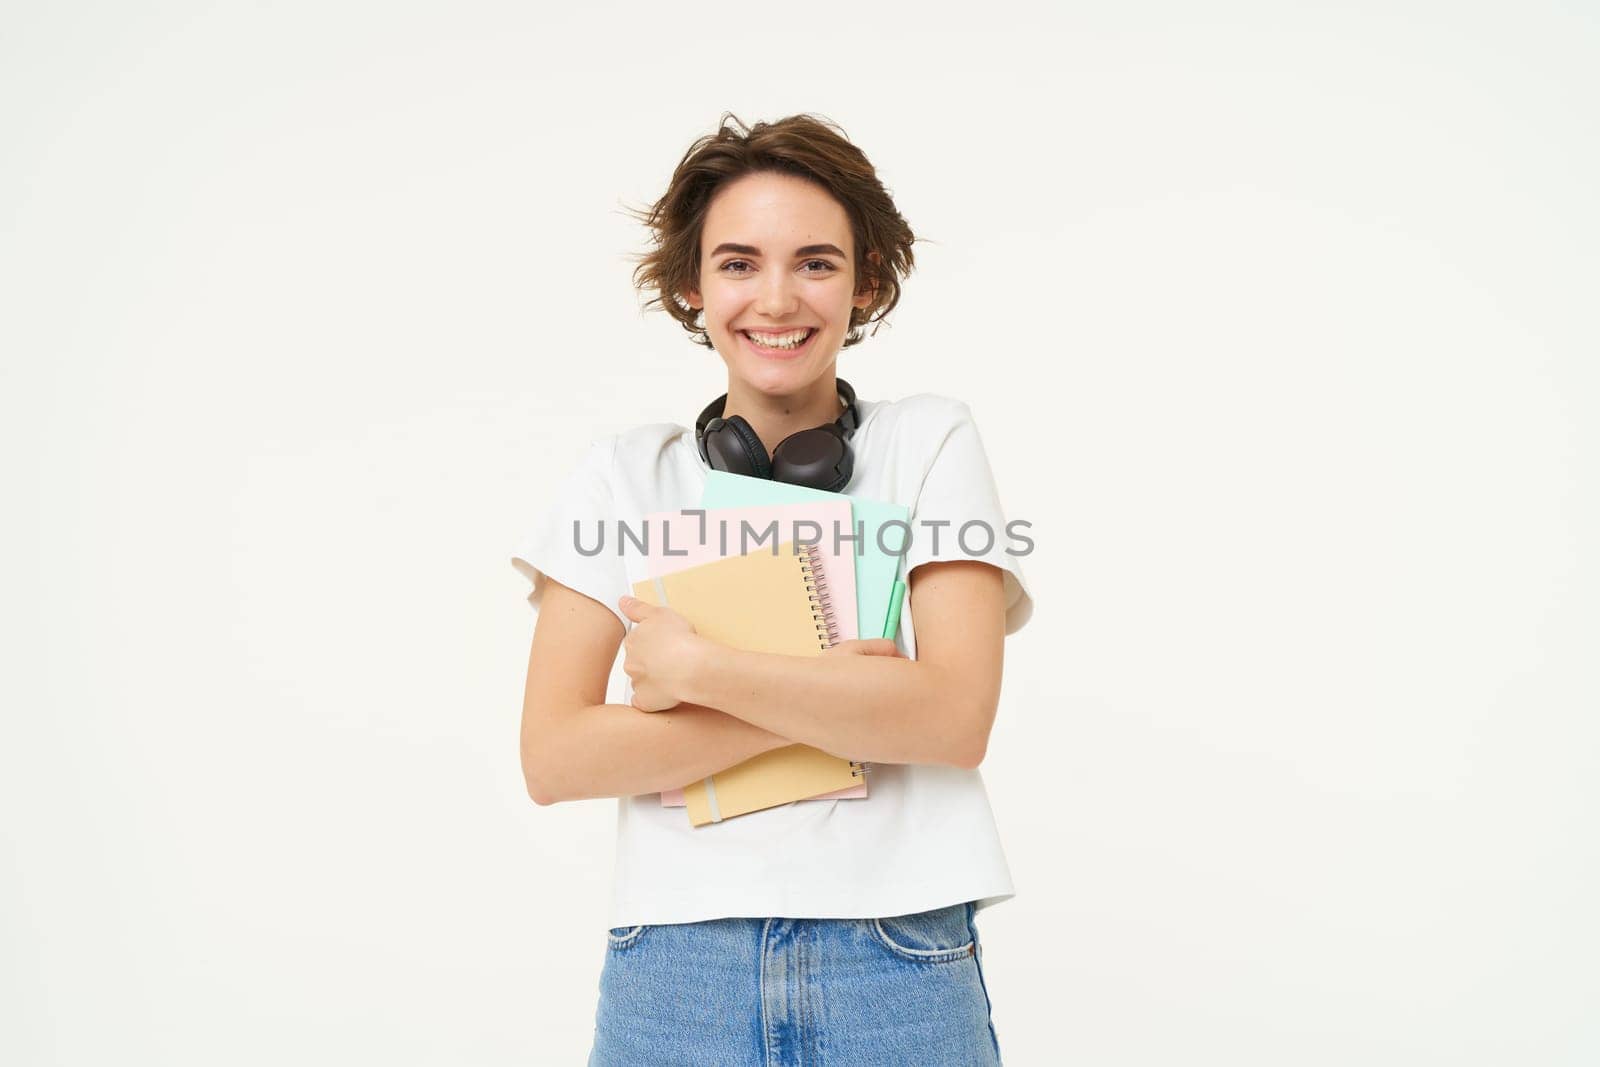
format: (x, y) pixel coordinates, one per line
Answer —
(775, 417)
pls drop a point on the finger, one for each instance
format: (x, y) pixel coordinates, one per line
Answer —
(635, 609)
(649, 701)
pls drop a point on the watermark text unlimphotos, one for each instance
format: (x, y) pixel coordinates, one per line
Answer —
(975, 538)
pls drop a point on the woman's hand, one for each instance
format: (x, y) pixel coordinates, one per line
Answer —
(659, 650)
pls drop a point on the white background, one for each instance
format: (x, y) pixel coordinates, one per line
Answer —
(1278, 322)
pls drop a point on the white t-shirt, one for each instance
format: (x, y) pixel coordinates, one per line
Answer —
(924, 837)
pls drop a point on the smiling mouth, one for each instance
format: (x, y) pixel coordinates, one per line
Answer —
(792, 340)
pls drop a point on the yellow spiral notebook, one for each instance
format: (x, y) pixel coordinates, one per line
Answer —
(760, 602)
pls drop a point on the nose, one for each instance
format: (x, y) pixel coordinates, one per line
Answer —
(776, 296)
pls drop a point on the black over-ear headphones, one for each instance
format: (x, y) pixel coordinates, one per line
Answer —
(819, 457)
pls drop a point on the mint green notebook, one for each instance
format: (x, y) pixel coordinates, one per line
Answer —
(877, 572)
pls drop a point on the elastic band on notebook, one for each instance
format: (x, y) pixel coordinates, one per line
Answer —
(711, 800)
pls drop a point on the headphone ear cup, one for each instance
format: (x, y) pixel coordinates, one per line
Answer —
(732, 446)
(819, 458)
(847, 471)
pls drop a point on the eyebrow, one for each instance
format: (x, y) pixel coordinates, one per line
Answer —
(752, 250)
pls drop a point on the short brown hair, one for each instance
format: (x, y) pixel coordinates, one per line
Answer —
(801, 145)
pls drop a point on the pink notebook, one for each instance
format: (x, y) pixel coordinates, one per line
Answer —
(683, 534)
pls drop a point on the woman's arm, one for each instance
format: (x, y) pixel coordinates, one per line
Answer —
(938, 708)
(576, 746)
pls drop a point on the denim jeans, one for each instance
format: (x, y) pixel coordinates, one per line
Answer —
(906, 991)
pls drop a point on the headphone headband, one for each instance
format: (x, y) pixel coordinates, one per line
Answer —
(848, 420)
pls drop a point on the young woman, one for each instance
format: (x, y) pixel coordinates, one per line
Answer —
(836, 931)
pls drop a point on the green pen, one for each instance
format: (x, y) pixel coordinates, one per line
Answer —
(891, 625)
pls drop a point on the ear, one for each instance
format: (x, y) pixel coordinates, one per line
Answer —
(692, 298)
(865, 297)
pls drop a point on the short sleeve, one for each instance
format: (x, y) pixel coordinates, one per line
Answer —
(568, 537)
(957, 514)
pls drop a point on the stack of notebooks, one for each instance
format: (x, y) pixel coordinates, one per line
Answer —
(797, 591)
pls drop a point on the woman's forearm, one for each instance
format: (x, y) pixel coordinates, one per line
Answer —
(873, 708)
(613, 750)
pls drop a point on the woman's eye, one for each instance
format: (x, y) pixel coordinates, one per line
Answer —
(820, 262)
(733, 263)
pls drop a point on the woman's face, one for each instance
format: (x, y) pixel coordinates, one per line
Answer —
(776, 268)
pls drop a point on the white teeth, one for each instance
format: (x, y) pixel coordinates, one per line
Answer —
(782, 340)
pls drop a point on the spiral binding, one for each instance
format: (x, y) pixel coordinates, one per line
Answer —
(821, 597)
(822, 613)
